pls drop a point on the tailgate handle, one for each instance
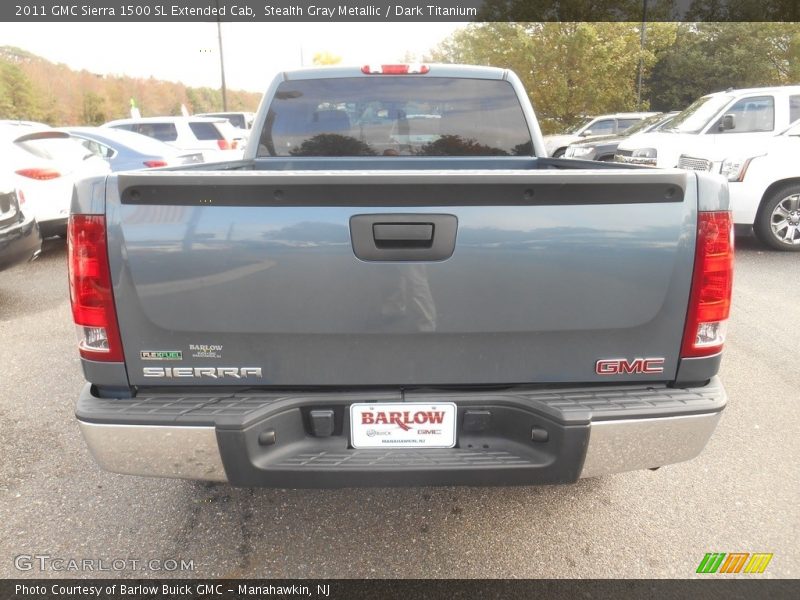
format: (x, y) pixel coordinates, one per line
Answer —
(403, 237)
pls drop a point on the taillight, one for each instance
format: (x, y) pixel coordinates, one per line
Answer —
(224, 144)
(40, 174)
(90, 289)
(395, 69)
(155, 163)
(712, 286)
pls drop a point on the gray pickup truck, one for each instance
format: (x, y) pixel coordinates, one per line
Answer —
(396, 286)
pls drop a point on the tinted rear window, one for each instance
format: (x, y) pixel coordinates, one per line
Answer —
(624, 124)
(205, 131)
(395, 116)
(235, 119)
(794, 108)
(166, 132)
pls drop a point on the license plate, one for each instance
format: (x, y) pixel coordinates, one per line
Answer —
(403, 425)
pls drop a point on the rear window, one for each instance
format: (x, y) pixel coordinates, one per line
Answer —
(205, 131)
(58, 148)
(605, 127)
(625, 124)
(794, 108)
(395, 116)
(166, 132)
(237, 121)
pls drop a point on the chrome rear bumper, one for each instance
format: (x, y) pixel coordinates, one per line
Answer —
(618, 446)
(156, 450)
(581, 443)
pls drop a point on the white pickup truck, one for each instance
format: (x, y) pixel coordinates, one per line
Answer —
(764, 185)
(725, 123)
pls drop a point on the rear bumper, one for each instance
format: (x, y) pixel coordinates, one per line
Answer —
(19, 242)
(532, 436)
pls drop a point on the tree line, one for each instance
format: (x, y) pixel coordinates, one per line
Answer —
(35, 89)
(571, 69)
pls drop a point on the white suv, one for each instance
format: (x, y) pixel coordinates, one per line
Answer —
(240, 120)
(215, 138)
(764, 184)
(724, 123)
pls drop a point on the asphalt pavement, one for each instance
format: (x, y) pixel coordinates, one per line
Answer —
(740, 495)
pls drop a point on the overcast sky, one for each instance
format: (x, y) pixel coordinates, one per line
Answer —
(188, 52)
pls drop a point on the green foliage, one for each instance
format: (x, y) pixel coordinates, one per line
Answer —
(569, 69)
(573, 10)
(572, 69)
(16, 94)
(743, 10)
(709, 57)
(631, 10)
(94, 112)
(326, 58)
(32, 88)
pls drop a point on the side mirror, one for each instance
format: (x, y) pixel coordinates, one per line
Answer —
(586, 133)
(728, 122)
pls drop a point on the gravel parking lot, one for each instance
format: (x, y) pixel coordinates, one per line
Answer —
(740, 495)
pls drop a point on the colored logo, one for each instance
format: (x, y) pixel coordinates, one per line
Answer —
(735, 562)
(161, 355)
(404, 420)
(623, 366)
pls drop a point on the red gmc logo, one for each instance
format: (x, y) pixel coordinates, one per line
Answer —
(404, 420)
(623, 366)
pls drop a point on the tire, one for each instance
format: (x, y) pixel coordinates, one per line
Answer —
(778, 221)
(559, 153)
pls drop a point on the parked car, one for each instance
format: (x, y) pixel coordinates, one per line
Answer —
(214, 138)
(19, 235)
(764, 187)
(604, 147)
(614, 124)
(125, 150)
(440, 305)
(44, 165)
(240, 120)
(729, 122)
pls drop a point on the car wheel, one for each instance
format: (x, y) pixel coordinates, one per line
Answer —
(559, 153)
(778, 221)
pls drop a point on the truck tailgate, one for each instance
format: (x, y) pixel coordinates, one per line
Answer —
(253, 278)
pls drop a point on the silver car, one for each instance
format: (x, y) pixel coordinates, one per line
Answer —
(125, 150)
